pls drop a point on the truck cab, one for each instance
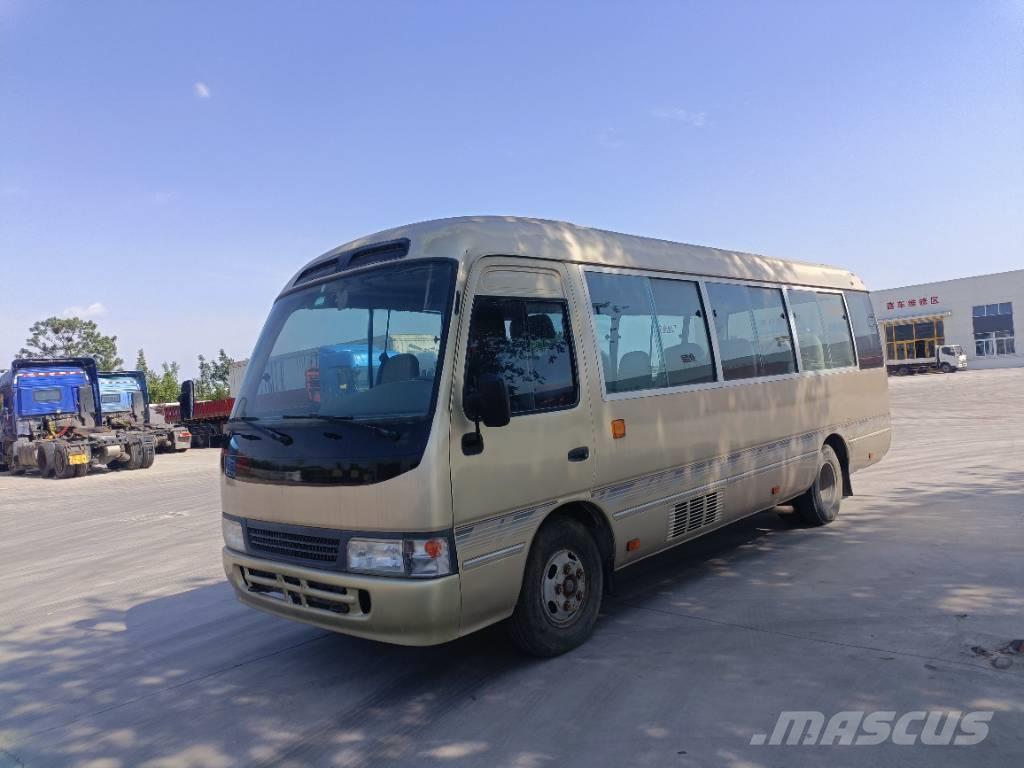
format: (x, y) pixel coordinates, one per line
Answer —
(950, 358)
(124, 400)
(46, 405)
(123, 396)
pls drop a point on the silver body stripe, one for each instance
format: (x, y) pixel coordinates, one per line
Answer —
(697, 472)
(490, 557)
(704, 489)
(483, 532)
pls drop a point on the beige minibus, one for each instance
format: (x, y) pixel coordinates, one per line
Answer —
(465, 421)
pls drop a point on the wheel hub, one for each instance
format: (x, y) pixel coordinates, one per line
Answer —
(563, 587)
(828, 486)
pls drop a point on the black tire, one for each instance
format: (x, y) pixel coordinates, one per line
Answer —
(135, 450)
(946, 368)
(15, 466)
(903, 370)
(62, 466)
(539, 626)
(81, 470)
(41, 463)
(819, 505)
(148, 455)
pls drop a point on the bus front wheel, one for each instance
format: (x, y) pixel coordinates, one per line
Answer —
(561, 593)
(820, 503)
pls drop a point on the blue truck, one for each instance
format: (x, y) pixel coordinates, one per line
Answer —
(124, 400)
(51, 422)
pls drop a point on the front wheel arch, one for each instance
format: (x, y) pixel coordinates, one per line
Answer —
(596, 522)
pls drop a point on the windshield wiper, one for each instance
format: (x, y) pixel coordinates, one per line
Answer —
(390, 434)
(281, 437)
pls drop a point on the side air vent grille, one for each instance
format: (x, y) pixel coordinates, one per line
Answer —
(322, 269)
(698, 512)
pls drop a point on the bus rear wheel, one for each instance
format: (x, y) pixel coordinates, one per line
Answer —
(561, 593)
(819, 505)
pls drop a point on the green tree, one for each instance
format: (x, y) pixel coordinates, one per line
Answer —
(163, 387)
(212, 383)
(71, 337)
(140, 362)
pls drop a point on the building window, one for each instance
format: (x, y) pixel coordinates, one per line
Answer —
(916, 339)
(993, 330)
(993, 310)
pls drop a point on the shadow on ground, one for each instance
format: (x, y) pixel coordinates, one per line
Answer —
(746, 615)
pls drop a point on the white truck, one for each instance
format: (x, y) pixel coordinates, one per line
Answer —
(949, 358)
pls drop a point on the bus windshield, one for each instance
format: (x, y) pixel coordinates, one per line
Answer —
(361, 347)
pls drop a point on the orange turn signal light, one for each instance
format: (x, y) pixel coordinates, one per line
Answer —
(433, 548)
(775, 490)
(632, 545)
(618, 428)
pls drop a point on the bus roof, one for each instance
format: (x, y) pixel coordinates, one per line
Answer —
(471, 237)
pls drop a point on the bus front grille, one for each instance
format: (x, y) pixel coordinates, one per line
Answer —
(306, 593)
(301, 546)
(692, 514)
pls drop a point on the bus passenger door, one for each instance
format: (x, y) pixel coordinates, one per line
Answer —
(518, 321)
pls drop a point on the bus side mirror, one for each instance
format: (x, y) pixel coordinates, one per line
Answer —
(495, 406)
(490, 402)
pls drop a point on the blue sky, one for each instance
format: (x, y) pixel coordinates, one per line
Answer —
(166, 166)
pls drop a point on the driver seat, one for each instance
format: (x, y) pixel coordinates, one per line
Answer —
(398, 368)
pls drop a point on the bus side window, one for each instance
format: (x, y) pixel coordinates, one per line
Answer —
(865, 328)
(682, 323)
(528, 342)
(753, 332)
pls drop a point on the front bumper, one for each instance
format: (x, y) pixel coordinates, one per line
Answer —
(392, 610)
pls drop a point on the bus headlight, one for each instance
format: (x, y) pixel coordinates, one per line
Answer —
(233, 536)
(416, 558)
(376, 556)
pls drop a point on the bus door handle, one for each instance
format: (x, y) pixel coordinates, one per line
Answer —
(579, 454)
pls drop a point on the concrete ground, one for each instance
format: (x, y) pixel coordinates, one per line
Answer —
(121, 644)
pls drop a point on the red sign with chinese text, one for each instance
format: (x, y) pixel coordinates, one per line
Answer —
(923, 301)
